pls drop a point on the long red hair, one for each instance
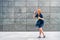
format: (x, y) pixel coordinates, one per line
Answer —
(39, 11)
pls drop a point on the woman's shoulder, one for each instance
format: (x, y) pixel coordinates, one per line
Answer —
(40, 13)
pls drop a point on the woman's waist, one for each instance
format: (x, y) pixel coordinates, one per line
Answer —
(40, 20)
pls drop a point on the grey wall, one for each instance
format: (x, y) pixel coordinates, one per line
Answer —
(16, 15)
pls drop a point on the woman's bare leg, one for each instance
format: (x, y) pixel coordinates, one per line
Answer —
(41, 31)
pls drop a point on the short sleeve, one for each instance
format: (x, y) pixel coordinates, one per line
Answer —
(41, 15)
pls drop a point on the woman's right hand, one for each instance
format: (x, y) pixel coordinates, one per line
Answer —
(38, 17)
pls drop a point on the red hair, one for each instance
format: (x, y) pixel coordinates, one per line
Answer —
(39, 10)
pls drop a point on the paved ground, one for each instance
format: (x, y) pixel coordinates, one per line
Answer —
(28, 36)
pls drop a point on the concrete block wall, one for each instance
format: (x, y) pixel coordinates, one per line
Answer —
(16, 15)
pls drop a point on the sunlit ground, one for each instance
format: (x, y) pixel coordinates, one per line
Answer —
(28, 36)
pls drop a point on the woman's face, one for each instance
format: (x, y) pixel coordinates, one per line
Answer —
(38, 11)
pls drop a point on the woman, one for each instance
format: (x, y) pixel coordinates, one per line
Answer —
(40, 22)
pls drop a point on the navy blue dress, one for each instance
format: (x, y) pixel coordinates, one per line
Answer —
(39, 22)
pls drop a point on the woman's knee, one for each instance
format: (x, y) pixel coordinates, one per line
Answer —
(41, 28)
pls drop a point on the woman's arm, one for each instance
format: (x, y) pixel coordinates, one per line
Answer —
(40, 18)
(34, 14)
